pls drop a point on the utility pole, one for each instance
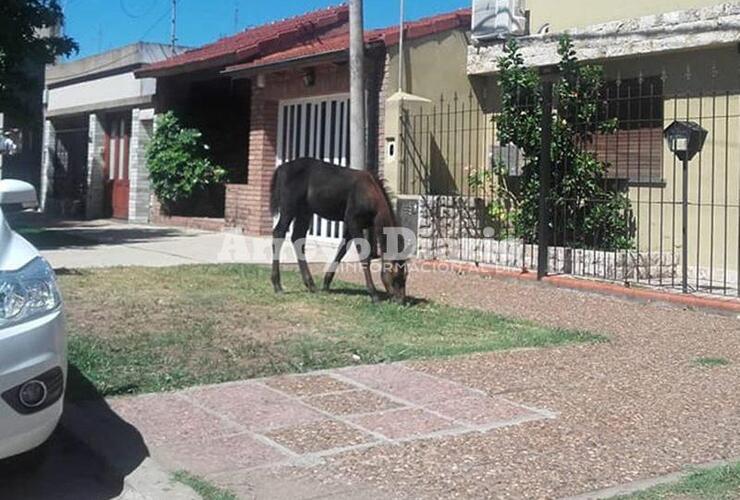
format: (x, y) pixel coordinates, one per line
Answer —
(357, 148)
(174, 25)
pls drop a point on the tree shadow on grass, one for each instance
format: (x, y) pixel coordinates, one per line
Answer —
(88, 456)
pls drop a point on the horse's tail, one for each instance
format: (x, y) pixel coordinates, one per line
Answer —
(275, 192)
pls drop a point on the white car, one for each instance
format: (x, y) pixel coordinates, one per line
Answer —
(33, 358)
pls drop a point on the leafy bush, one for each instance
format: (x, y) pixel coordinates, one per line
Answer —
(587, 213)
(179, 167)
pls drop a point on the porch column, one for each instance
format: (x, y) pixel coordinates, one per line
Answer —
(262, 161)
(142, 127)
(94, 202)
(47, 164)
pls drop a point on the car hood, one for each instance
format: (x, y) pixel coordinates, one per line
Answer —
(15, 252)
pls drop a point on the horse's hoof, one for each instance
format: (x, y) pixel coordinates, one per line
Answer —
(375, 299)
(279, 290)
(313, 289)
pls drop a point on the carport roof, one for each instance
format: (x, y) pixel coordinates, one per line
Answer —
(319, 33)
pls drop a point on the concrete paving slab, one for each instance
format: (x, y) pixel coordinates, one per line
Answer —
(406, 384)
(168, 418)
(307, 385)
(253, 406)
(220, 454)
(404, 423)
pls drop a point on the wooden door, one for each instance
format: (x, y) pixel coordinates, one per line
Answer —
(116, 170)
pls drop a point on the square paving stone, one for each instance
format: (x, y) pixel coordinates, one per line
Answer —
(166, 418)
(319, 436)
(408, 384)
(404, 423)
(482, 410)
(255, 406)
(220, 455)
(351, 402)
(307, 385)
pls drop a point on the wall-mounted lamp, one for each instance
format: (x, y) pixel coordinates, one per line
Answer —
(309, 77)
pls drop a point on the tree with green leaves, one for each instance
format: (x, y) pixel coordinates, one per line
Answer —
(586, 212)
(28, 38)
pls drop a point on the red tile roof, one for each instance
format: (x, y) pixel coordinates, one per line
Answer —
(317, 33)
(340, 43)
(259, 41)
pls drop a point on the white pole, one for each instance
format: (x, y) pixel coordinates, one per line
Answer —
(357, 86)
(400, 51)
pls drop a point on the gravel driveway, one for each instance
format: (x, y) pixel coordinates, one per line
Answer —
(636, 407)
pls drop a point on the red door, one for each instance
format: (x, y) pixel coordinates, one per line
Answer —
(118, 134)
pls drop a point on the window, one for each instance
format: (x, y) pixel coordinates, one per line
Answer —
(635, 151)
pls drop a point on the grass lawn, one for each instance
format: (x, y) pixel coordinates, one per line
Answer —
(719, 483)
(202, 487)
(143, 330)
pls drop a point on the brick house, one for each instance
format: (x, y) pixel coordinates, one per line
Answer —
(280, 91)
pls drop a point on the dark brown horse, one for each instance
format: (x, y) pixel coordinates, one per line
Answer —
(304, 187)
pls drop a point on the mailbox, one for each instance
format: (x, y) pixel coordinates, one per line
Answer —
(685, 139)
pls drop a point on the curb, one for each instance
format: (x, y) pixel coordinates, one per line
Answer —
(726, 306)
(147, 481)
(646, 484)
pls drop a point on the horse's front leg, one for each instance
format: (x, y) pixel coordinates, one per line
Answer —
(332, 269)
(365, 254)
(300, 230)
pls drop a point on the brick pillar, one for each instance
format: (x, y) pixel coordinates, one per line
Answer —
(94, 204)
(262, 154)
(47, 165)
(142, 128)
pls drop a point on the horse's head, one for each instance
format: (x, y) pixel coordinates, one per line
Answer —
(393, 275)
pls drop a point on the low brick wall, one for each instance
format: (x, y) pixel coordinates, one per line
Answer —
(158, 218)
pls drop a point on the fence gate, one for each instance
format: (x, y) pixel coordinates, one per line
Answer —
(316, 128)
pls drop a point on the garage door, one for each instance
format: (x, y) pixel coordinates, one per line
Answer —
(316, 128)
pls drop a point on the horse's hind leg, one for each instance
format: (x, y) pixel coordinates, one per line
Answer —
(300, 229)
(278, 238)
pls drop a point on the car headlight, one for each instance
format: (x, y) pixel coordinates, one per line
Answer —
(28, 293)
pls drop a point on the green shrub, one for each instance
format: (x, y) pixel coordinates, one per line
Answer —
(178, 162)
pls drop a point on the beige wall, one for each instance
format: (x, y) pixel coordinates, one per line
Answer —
(434, 66)
(565, 14)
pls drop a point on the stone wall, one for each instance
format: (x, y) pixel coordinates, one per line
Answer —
(142, 128)
(457, 228)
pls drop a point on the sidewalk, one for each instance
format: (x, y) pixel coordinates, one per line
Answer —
(105, 243)
(542, 423)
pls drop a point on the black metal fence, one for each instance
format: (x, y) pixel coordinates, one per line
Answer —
(623, 220)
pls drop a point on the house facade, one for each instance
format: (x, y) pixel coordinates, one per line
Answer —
(97, 121)
(662, 61)
(280, 91)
